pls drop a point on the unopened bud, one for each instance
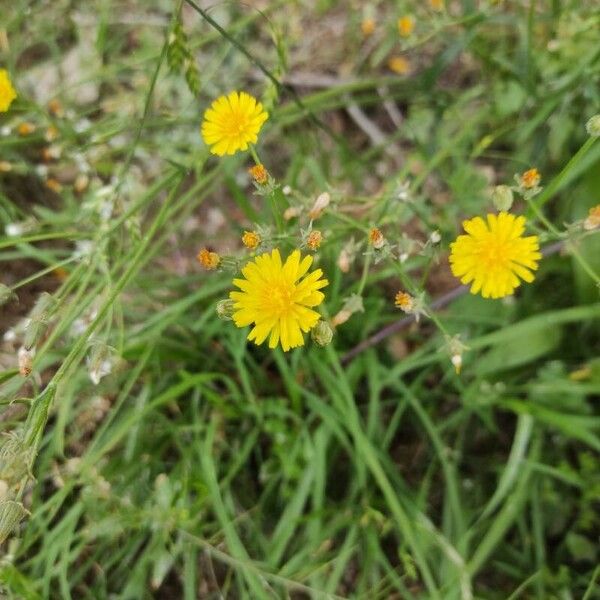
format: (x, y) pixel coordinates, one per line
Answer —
(100, 362)
(225, 309)
(322, 333)
(593, 126)
(11, 514)
(6, 294)
(502, 197)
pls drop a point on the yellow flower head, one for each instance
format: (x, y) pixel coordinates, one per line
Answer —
(399, 64)
(7, 91)
(251, 240)
(406, 25)
(494, 255)
(277, 298)
(367, 26)
(209, 260)
(530, 178)
(404, 301)
(232, 123)
(437, 5)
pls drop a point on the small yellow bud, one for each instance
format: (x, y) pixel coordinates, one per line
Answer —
(251, 240)
(399, 65)
(404, 301)
(406, 25)
(367, 27)
(25, 128)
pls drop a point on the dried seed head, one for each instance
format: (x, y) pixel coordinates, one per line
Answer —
(352, 304)
(314, 239)
(376, 238)
(259, 174)
(25, 358)
(321, 203)
(209, 260)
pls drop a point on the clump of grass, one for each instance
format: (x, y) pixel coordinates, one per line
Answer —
(415, 441)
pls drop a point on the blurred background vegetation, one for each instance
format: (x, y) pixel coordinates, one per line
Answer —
(174, 460)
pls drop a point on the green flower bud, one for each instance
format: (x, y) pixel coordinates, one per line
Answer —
(593, 126)
(321, 333)
(225, 309)
(502, 197)
(6, 294)
(11, 514)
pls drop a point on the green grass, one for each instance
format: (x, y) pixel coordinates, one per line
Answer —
(205, 467)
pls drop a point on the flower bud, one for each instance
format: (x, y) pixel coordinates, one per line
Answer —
(11, 514)
(6, 294)
(502, 197)
(224, 309)
(322, 333)
(593, 126)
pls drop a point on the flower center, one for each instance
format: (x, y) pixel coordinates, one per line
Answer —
(237, 125)
(493, 254)
(281, 300)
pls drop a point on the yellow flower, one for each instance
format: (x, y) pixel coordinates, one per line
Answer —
(437, 5)
(530, 179)
(367, 26)
(404, 301)
(494, 255)
(7, 91)
(278, 299)
(209, 260)
(399, 65)
(406, 25)
(251, 240)
(232, 123)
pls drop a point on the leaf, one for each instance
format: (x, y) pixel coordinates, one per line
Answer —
(520, 351)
